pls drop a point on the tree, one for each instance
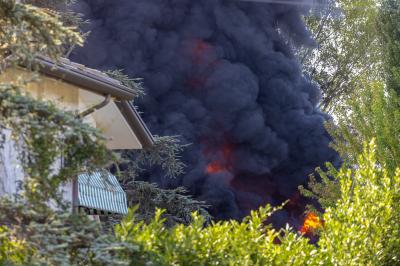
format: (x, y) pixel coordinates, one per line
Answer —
(177, 205)
(375, 114)
(29, 31)
(31, 232)
(47, 237)
(370, 110)
(348, 48)
(389, 25)
(325, 190)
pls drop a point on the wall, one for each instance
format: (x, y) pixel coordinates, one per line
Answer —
(65, 95)
(10, 169)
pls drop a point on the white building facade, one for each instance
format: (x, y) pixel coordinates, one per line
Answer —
(74, 87)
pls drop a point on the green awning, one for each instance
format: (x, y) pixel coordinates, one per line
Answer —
(101, 191)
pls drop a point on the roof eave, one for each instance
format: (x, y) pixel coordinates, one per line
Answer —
(136, 123)
(84, 79)
(94, 84)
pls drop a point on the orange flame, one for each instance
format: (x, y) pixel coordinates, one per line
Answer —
(215, 167)
(221, 164)
(311, 223)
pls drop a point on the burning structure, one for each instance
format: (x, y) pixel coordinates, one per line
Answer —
(223, 76)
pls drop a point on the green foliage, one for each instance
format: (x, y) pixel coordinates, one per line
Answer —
(222, 243)
(370, 112)
(41, 132)
(31, 233)
(164, 153)
(12, 250)
(326, 190)
(374, 113)
(361, 229)
(134, 84)
(45, 237)
(177, 206)
(28, 32)
(348, 48)
(371, 107)
(62, 7)
(37, 235)
(389, 25)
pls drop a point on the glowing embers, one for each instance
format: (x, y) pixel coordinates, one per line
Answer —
(220, 159)
(311, 224)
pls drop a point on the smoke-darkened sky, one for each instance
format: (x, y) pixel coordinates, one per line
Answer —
(220, 74)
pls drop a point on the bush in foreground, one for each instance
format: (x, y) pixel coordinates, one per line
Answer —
(362, 229)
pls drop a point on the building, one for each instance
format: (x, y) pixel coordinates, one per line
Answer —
(104, 103)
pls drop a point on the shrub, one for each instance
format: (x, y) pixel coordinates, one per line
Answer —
(361, 229)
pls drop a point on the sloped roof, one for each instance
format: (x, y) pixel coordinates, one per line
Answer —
(99, 83)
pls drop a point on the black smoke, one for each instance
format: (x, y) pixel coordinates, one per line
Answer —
(221, 74)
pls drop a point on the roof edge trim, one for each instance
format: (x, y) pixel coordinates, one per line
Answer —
(135, 121)
(84, 79)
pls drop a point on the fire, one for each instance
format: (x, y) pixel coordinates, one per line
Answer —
(215, 167)
(204, 59)
(311, 223)
(220, 164)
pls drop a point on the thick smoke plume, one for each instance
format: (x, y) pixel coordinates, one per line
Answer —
(223, 76)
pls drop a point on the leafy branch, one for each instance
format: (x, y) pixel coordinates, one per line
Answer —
(132, 83)
(27, 31)
(165, 153)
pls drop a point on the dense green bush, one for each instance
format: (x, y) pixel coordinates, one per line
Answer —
(11, 250)
(224, 243)
(42, 236)
(362, 229)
